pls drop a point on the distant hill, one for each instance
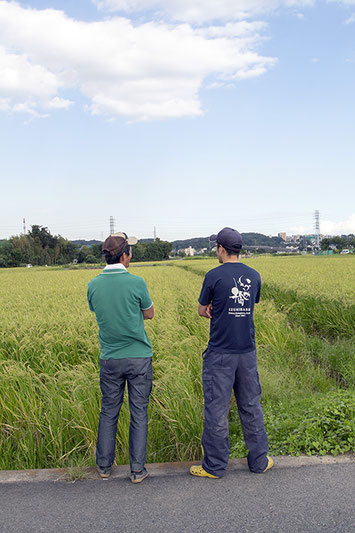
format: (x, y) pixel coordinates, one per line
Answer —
(258, 239)
(196, 242)
(145, 241)
(249, 239)
(86, 243)
(81, 242)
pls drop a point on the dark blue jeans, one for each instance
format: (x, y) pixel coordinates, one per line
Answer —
(114, 373)
(222, 374)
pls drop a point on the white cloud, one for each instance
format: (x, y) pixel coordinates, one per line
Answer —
(24, 85)
(298, 230)
(58, 103)
(199, 11)
(329, 227)
(148, 71)
(351, 19)
(5, 104)
(345, 2)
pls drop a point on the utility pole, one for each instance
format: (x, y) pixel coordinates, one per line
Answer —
(155, 233)
(112, 225)
(24, 226)
(317, 227)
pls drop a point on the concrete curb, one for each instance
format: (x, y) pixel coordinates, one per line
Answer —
(160, 469)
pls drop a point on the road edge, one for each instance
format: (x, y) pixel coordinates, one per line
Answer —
(160, 469)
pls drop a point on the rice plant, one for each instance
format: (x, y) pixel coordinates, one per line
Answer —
(49, 377)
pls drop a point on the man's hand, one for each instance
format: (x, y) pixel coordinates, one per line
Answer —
(205, 310)
(148, 313)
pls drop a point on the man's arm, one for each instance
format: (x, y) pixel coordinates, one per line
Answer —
(148, 313)
(89, 301)
(205, 296)
(257, 298)
(145, 301)
(205, 310)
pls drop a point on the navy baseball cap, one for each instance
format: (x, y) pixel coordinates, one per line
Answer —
(229, 238)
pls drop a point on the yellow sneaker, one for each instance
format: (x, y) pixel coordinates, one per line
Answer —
(270, 463)
(198, 470)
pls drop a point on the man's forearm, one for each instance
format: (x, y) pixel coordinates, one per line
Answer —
(205, 310)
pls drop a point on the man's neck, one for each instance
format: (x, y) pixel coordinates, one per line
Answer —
(231, 259)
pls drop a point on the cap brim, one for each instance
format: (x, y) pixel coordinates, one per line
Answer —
(130, 240)
(213, 238)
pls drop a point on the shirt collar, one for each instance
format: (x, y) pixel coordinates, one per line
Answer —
(116, 266)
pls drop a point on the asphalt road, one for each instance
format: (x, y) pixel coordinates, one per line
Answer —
(305, 499)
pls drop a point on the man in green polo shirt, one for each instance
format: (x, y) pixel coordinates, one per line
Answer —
(121, 303)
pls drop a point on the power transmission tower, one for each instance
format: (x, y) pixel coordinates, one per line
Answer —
(112, 225)
(317, 227)
(24, 226)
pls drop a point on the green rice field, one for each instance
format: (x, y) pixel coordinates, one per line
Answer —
(49, 359)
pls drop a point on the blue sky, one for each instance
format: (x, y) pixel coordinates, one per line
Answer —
(184, 115)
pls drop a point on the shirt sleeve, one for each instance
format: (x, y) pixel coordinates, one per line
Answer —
(89, 300)
(145, 299)
(257, 298)
(206, 295)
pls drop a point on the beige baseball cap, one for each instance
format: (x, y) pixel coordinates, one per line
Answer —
(115, 243)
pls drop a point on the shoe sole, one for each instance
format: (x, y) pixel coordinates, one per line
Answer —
(103, 476)
(139, 480)
(206, 477)
(202, 475)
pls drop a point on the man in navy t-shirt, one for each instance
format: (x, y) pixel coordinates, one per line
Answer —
(227, 298)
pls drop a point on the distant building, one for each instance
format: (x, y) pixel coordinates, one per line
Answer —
(293, 238)
(201, 251)
(190, 251)
(282, 236)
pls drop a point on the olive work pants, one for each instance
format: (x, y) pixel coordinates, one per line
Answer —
(223, 373)
(114, 373)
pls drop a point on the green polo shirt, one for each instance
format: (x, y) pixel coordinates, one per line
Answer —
(117, 298)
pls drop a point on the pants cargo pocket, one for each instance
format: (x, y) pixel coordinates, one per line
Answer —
(207, 389)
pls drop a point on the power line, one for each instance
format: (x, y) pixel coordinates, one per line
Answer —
(112, 225)
(317, 227)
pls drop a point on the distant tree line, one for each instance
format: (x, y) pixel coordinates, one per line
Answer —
(338, 243)
(40, 247)
(264, 242)
(37, 247)
(152, 251)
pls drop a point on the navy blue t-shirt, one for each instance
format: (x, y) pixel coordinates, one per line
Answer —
(233, 289)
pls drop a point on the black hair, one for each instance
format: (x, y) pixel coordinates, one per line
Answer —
(113, 259)
(229, 251)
